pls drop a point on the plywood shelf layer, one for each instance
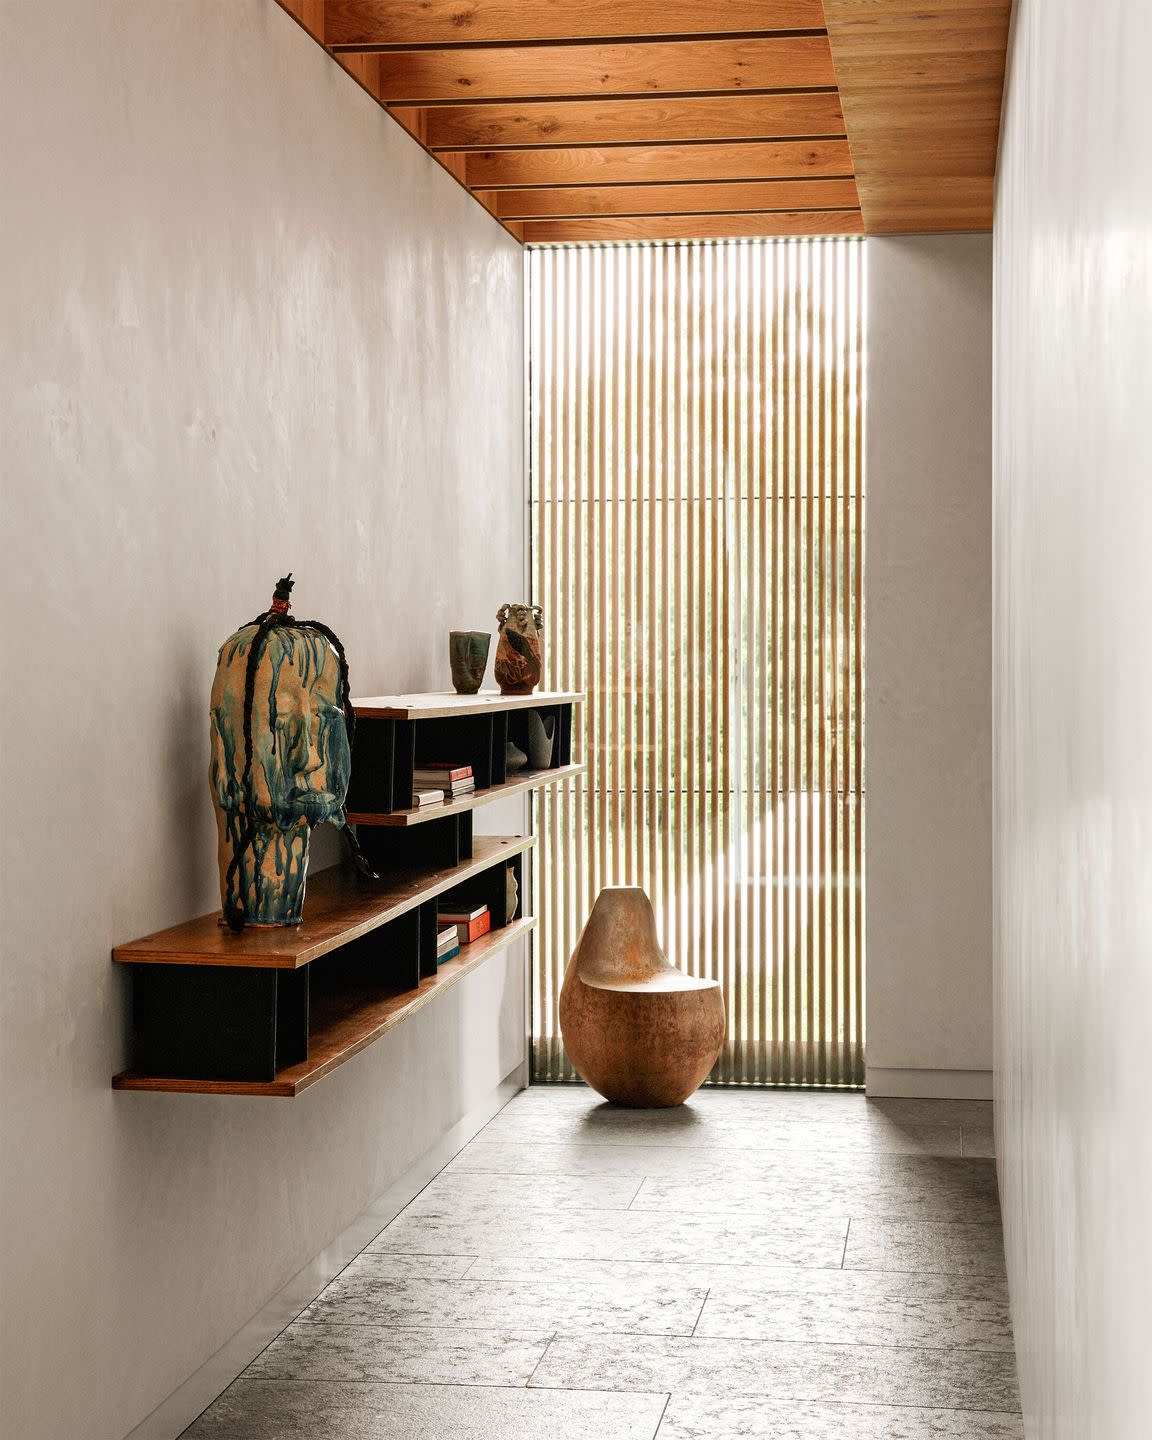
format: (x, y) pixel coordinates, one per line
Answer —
(523, 782)
(339, 907)
(342, 1024)
(440, 705)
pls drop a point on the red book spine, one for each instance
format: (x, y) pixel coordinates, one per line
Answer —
(475, 928)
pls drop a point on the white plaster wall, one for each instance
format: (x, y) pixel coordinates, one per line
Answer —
(247, 326)
(1073, 520)
(929, 665)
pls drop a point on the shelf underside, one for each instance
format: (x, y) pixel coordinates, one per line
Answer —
(342, 1023)
(521, 782)
(339, 907)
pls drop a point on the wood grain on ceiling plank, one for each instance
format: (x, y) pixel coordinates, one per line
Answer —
(562, 96)
(360, 24)
(652, 164)
(735, 198)
(432, 77)
(921, 87)
(630, 122)
(691, 227)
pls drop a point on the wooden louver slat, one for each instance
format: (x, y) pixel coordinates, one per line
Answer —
(697, 501)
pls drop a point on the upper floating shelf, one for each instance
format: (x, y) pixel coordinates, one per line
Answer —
(521, 782)
(339, 907)
(445, 704)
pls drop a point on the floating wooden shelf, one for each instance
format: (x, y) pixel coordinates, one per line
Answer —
(447, 705)
(397, 733)
(338, 908)
(269, 1011)
(344, 1022)
(533, 780)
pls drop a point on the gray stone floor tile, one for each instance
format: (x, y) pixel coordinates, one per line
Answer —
(454, 1187)
(955, 1190)
(294, 1410)
(979, 1142)
(616, 1234)
(710, 1128)
(847, 1374)
(933, 1112)
(435, 1267)
(692, 1417)
(577, 1264)
(727, 1169)
(859, 1287)
(844, 1316)
(365, 1295)
(804, 1106)
(374, 1352)
(925, 1245)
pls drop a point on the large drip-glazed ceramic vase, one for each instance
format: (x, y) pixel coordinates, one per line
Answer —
(517, 664)
(638, 1030)
(283, 684)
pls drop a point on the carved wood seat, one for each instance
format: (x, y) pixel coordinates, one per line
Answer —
(637, 1029)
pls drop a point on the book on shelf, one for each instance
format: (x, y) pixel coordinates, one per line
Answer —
(433, 772)
(453, 779)
(446, 937)
(469, 930)
(454, 950)
(455, 915)
(421, 798)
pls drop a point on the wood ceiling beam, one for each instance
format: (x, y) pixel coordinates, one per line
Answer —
(693, 227)
(630, 122)
(735, 198)
(369, 24)
(513, 73)
(651, 164)
(921, 87)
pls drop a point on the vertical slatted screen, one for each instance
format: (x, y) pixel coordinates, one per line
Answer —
(697, 518)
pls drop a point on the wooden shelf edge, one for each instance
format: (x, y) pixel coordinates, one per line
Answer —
(378, 1019)
(437, 705)
(536, 780)
(375, 911)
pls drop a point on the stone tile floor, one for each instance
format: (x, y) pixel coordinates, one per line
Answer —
(758, 1265)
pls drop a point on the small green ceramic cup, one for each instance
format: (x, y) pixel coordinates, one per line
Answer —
(468, 655)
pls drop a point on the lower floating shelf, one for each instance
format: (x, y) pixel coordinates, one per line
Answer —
(342, 1024)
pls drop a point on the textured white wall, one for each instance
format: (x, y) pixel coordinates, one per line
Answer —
(929, 665)
(248, 326)
(1073, 520)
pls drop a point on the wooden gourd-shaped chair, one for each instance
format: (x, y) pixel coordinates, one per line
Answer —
(638, 1030)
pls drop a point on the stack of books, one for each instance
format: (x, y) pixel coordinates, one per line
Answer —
(469, 924)
(442, 780)
(447, 943)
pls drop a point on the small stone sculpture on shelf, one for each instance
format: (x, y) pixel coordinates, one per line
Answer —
(517, 666)
(541, 734)
(281, 738)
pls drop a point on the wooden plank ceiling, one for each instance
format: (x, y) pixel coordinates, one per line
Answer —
(600, 120)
